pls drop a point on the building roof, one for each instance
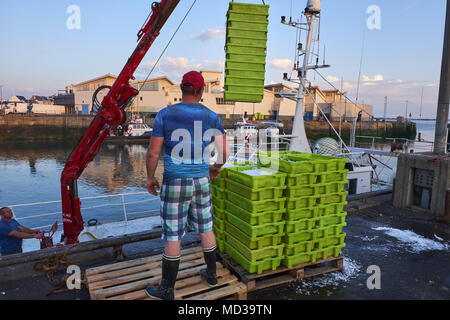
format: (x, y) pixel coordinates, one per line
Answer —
(154, 79)
(96, 79)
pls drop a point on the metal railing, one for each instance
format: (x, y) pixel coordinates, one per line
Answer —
(122, 204)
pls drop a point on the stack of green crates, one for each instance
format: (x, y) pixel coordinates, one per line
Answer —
(218, 193)
(246, 44)
(254, 226)
(315, 199)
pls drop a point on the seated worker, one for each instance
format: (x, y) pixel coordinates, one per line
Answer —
(12, 233)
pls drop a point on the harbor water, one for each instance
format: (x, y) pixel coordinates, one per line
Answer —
(30, 173)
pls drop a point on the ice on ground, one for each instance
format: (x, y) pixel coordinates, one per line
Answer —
(102, 231)
(257, 172)
(367, 238)
(416, 243)
(312, 286)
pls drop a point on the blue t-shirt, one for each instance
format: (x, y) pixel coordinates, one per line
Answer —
(9, 244)
(187, 129)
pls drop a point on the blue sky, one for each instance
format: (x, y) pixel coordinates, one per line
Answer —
(40, 55)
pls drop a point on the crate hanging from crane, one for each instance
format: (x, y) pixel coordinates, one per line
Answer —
(246, 44)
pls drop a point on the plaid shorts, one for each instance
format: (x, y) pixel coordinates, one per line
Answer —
(185, 202)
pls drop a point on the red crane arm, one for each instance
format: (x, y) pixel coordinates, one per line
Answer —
(111, 113)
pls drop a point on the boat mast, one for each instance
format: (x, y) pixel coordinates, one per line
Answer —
(299, 141)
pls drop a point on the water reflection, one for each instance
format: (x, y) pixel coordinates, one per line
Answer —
(31, 171)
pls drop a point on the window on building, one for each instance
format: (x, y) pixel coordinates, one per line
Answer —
(175, 99)
(141, 99)
(222, 101)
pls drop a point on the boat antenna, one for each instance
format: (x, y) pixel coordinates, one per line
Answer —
(353, 135)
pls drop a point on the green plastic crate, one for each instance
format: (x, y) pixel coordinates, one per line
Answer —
(332, 187)
(255, 194)
(219, 213)
(290, 261)
(302, 236)
(261, 9)
(243, 97)
(217, 192)
(297, 180)
(332, 241)
(322, 163)
(332, 230)
(330, 220)
(267, 181)
(254, 218)
(303, 213)
(246, 49)
(255, 242)
(299, 248)
(219, 234)
(301, 225)
(329, 252)
(332, 198)
(253, 74)
(241, 32)
(220, 244)
(301, 202)
(218, 182)
(218, 203)
(252, 58)
(248, 25)
(247, 16)
(244, 81)
(245, 65)
(315, 234)
(253, 267)
(302, 191)
(252, 90)
(219, 223)
(254, 255)
(256, 206)
(330, 209)
(255, 231)
(336, 176)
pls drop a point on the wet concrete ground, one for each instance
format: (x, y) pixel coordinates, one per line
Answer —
(411, 250)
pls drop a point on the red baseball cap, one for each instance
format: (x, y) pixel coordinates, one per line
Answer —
(193, 79)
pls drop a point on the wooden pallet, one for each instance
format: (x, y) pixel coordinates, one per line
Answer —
(283, 275)
(127, 280)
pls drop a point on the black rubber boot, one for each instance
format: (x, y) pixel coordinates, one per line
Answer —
(209, 274)
(165, 291)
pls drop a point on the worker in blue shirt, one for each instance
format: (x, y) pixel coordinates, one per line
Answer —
(12, 233)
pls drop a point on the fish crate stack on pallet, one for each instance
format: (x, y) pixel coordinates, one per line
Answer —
(315, 199)
(218, 195)
(283, 217)
(253, 227)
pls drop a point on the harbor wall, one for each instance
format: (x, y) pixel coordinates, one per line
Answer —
(71, 127)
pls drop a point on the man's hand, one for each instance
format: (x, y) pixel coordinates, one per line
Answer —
(36, 231)
(152, 185)
(39, 235)
(214, 172)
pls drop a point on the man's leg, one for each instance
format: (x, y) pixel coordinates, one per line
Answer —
(174, 209)
(200, 217)
(210, 254)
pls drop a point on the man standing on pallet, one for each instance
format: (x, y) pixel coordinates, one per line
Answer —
(185, 192)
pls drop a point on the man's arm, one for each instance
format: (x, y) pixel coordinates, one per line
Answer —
(153, 153)
(223, 154)
(27, 230)
(24, 235)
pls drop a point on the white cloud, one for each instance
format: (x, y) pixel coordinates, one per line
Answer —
(174, 68)
(332, 78)
(281, 64)
(376, 78)
(209, 35)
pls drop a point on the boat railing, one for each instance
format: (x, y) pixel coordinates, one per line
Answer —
(108, 208)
